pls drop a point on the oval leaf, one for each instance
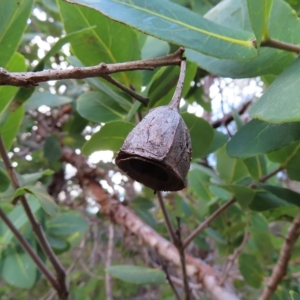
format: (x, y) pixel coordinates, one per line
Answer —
(110, 137)
(178, 25)
(137, 275)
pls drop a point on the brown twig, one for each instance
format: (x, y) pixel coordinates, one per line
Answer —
(108, 285)
(127, 90)
(227, 118)
(168, 277)
(180, 248)
(272, 43)
(26, 79)
(280, 268)
(233, 257)
(221, 209)
(40, 264)
(166, 217)
(36, 227)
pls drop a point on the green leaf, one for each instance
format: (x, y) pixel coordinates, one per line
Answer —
(202, 134)
(18, 268)
(244, 195)
(110, 137)
(19, 219)
(66, 225)
(16, 64)
(187, 28)
(234, 14)
(141, 206)
(136, 274)
(14, 16)
(198, 184)
(220, 139)
(258, 223)
(283, 193)
(11, 127)
(98, 107)
(4, 181)
(230, 169)
(154, 48)
(109, 42)
(263, 245)
(294, 295)
(259, 11)
(264, 200)
(259, 137)
(251, 270)
(46, 201)
(256, 166)
(45, 98)
(52, 148)
(280, 102)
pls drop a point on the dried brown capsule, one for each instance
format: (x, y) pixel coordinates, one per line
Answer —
(157, 152)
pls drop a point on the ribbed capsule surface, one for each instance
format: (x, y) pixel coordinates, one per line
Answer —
(157, 152)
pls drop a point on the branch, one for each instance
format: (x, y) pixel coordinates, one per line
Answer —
(272, 43)
(280, 268)
(166, 218)
(213, 216)
(26, 246)
(27, 79)
(108, 286)
(229, 117)
(36, 226)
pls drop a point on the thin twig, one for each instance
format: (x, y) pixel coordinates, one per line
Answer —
(234, 256)
(180, 248)
(36, 226)
(26, 79)
(280, 268)
(108, 285)
(127, 90)
(167, 218)
(40, 264)
(272, 43)
(221, 209)
(163, 266)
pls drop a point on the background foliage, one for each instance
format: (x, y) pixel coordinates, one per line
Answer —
(233, 149)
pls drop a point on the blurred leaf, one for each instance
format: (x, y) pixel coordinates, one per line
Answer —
(141, 206)
(14, 16)
(256, 166)
(230, 169)
(30, 179)
(52, 148)
(294, 295)
(98, 107)
(265, 200)
(251, 270)
(220, 139)
(259, 12)
(45, 98)
(280, 101)
(19, 219)
(46, 201)
(202, 134)
(66, 224)
(283, 193)
(136, 274)
(244, 195)
(234, 14)
(4, 181)
(110, 137)
(18, 268)
(264, 246)
(259, 137)
(154, 48)
(109, 42)
(16, 64)
(258, 223)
